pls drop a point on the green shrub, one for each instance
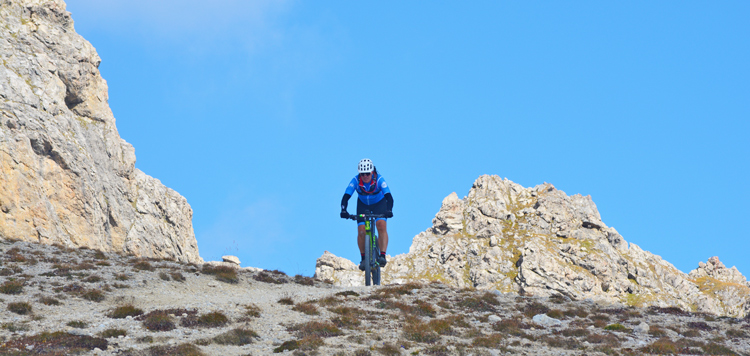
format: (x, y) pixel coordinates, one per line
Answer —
(124, 311)
(21, 308)
(616, 327)
(209, 320)
(113, 333)
(661, 347)
(236, 337)
(12, 287)
(78, 324)
(158, 320)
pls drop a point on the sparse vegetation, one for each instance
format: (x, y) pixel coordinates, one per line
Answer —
(269, 277)
(158, 320)
(21, 308)
(224, 274)
(49, 301)
(12, 287)
(208, 320)
(78, 324)
(57, 343)
(125, 311)
(109, 333)
(306, 308)
(238, 337)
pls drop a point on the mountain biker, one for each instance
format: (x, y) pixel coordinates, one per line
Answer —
(375, 196)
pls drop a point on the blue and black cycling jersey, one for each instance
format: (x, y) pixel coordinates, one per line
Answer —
(366, 193)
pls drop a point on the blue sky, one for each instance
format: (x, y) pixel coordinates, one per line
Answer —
(258, 112)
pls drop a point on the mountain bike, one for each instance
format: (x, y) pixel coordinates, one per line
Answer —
(372, 267)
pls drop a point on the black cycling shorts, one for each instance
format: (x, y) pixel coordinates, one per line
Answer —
(380, 207)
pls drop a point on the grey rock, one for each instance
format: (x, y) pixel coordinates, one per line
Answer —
(67, 176)
(539, 241)
(544, 320)
(641, 328)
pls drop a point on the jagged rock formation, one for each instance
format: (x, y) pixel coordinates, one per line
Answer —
(66, 176)
(541, 242)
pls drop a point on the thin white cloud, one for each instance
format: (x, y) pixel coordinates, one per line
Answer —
(183, 21)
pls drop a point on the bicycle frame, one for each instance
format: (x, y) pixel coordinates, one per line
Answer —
(372, 251)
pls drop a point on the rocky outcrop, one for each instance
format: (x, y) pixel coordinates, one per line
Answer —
(540, 241)
(66, 175)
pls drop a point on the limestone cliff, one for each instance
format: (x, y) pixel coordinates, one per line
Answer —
(540, 241)
(66, 176)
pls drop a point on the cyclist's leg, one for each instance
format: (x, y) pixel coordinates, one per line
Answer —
(382, 235)
(361, 238)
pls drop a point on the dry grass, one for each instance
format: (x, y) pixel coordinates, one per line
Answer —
(125, 311)
(142, 265)
(511, 326)
(57, 343)
(305, 281)
(158, 320)
(224, 274)
(180, 350)
(269, 277)
(237, 337)
(306, 308)
(492, 341)
(109, 333)
(177, 276)
(315, 329)
(348, 317)
(12, 287)
(417, 331)
(252, 310)
(286, 301)
(208, 320)
(662, 346)
(21, 308)
(535, 308)
(49, 301)
(78, 324)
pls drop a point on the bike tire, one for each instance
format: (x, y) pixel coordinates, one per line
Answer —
(368, 259)
(376, 265)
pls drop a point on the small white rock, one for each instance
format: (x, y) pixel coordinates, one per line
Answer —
(231, 259)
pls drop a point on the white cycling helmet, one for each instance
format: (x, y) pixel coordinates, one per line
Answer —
(365, 166)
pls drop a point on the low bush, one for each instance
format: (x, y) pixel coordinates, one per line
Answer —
(237, 337)
(78, 324)
(268, 277)
(93, 279)
(252, 310)
(348, 317)
(286, 301)
(306, 308)
(113, 333)
(180, 350)
(347, 293)
(315, 329)
(415, 330)
(21, 308)
(491, 341)
(305, 281)
(49, 301)
(164, 276)
(662, 346)
(606, 339)
(158, 320)
(12, 287)
(94, 295)
(578, 332)
(142, 265)
(484, 302)
(57, 343)
(208, 320)
(177, 276)
(224, 274)
(699, 325)
(535, 308)
(616, 327)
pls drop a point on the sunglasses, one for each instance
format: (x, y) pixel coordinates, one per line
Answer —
(365, 174)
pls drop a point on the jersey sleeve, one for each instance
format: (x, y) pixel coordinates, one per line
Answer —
(383, 185)
(352, 186)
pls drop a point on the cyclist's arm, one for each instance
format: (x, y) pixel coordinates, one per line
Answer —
(345, 201)
(389, 201)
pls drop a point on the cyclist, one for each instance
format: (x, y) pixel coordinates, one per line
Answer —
(375, 196)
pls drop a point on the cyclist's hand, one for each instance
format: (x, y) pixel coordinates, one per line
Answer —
(388, 214)
(344, 214)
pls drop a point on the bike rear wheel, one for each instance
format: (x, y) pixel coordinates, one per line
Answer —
(375, 264)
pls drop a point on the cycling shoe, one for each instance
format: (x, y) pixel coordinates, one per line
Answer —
(382, 261)
(362, 265)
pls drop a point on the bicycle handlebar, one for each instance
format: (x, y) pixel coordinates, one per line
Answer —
(366, 216)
